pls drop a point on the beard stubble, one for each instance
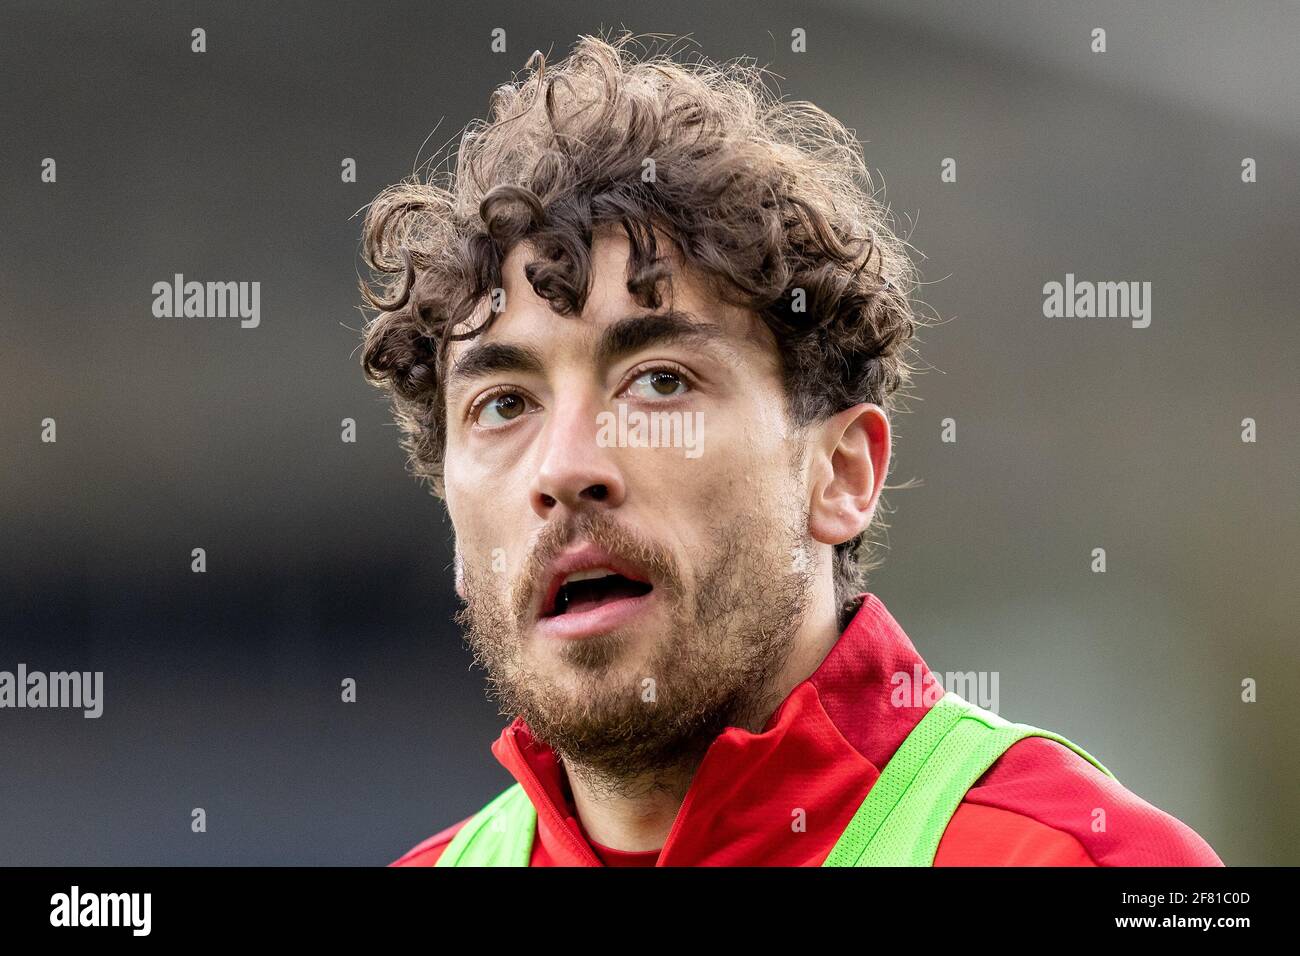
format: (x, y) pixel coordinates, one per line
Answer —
(630, 729)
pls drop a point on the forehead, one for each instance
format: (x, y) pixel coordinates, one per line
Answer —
(527, 317)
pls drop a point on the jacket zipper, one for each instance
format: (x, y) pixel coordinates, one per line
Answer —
(552, 814)
(681, 812)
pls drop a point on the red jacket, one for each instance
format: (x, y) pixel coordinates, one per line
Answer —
(821, 751)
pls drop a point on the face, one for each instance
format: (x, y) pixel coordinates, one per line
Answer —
(630, 508)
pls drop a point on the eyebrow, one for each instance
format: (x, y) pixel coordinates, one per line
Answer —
(489, 358)
(636, 332)
(618, 340)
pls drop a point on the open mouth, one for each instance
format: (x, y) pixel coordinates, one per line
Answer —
(588, 590)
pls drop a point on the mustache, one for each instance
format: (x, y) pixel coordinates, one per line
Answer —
(604, 532)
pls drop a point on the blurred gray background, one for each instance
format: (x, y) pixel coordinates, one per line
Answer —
(325, 560)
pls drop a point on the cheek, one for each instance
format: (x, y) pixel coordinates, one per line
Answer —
(741, 470)
(489, 513)
(469, 516)
(492, 473)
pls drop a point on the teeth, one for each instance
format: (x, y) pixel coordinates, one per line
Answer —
(590, 575)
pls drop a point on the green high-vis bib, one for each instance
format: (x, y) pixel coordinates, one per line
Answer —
(900, 823)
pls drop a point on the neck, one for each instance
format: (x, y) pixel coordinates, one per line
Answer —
(638, 814)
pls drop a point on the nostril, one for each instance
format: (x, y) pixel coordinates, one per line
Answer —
(597, 492)
(548, 501)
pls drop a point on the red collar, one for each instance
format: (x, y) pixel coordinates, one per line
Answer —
(803, 776)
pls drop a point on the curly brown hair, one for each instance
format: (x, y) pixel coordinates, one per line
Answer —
(769, 199)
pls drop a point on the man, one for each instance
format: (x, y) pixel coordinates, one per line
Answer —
(644, 343)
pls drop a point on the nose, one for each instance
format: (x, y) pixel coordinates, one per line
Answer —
(576, 473)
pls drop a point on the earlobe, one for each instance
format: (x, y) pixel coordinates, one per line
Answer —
(854, 461)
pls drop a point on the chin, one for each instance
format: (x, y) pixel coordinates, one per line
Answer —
(610, 660)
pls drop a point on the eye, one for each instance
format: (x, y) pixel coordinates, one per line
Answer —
(500, 409)
(658, 383)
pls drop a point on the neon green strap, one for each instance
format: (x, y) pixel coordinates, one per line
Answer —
(908, 808)
(501, 834)
(900, 823)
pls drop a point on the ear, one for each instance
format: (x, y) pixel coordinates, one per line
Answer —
(850, 460)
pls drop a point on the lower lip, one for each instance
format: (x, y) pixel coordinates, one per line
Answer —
(576, 625)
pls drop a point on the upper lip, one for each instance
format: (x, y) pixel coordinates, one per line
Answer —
(583, 558)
